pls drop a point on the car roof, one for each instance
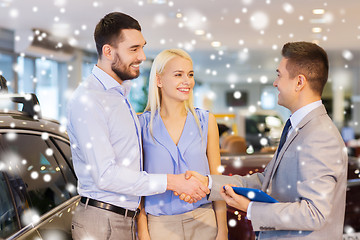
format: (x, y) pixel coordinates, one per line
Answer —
(29, 118)
(21, 121)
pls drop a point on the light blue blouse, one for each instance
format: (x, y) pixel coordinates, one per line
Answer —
(163, 156)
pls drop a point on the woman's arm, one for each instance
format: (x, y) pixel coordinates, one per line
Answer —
(142, 227)
(213, 154)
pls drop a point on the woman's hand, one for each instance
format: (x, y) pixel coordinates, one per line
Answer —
(143, 235)
(142, 227)
(222, 235)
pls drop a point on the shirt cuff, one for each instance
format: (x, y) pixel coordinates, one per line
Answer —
(210, 181)
(158, 183)
(248, 212)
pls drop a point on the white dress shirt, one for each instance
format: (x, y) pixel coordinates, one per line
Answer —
(105, 136)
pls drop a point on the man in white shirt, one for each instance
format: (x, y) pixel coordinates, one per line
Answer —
(308, 172)
(105, 136)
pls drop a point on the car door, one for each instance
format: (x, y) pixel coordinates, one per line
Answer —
(42, 181)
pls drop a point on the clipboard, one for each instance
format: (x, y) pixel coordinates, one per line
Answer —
(254, 194)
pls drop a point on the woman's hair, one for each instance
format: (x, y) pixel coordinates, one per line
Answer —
(154, 98)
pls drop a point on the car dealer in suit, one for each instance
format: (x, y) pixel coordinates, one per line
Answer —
(308, 172)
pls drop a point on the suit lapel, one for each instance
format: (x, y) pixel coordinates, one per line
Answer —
(272, 169)
(281, 154)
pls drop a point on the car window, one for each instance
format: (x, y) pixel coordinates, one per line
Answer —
(251, 127)
(28, 157)
(65, 163)
(65, 150)
(8, 219)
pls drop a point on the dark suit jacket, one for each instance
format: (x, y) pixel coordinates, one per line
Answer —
(308, 178)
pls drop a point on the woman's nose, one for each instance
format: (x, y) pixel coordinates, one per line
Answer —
(186, 80)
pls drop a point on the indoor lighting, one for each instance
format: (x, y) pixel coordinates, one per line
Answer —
(199, 32)
(316, 30)
(5, 3)
(318, 21)
(216, 44)
(318, 11)
(157, 1)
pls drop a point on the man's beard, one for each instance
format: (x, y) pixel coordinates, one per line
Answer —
(123, 72)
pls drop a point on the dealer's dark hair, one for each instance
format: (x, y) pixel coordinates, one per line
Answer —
(309, 60)
(108, 30)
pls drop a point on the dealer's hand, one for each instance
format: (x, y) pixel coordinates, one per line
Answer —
(235, 200)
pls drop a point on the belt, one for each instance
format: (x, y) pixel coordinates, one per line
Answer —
(109, 207)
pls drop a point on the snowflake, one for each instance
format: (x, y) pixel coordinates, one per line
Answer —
(71, 188)
(34, 175)
(285, 218)
(259, 20)
(126, 162)
(232, 222)
(11, 136)
(45, 135)
(47, 178)
(251, 195)
(221, 169)
(30, 216)
(237, 163)
(153, 185)
(49, 152)
(348, 229)
(288, 8)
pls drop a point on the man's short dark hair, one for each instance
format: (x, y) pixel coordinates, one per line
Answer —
(309, 60)
(108, 30)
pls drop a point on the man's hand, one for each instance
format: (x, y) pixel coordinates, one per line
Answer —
(203, 179)
(233, 199)
(194, 189)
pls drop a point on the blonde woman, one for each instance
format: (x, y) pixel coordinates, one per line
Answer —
(178, 137)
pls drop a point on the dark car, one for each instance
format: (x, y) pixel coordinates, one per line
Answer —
(240, 227)
(254, 138)
(37, 182)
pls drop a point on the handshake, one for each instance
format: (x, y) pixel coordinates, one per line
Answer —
(190, 187)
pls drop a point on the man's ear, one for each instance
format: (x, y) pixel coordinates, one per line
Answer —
(301, 82)
(107, 51)
(158, 81)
